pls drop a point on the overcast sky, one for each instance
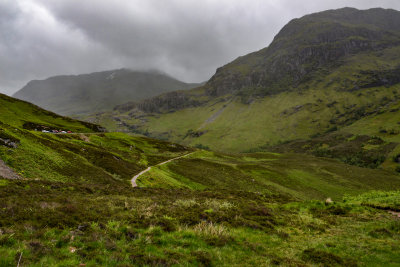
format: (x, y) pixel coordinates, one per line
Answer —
(187, 39)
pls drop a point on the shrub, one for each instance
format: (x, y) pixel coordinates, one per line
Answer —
(201, 146)
(167, 224)
(7, 241)
(398, 169)
(214, 234)
(203, 258)
(332, 129)
(325, 258)
(185, 203)
(395, 227)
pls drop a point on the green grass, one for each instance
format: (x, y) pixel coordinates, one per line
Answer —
(92, 158)
(76, 205)
(296, 175)
(53, 225)
(266, 121)
(18, 113)
(388, 200)
(359, 150)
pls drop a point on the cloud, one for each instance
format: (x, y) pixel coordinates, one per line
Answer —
(188, 39)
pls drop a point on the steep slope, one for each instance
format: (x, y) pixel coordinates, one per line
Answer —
(99, 91)
(23, 115)
(309, 47)
(322, 72)
(86, 155)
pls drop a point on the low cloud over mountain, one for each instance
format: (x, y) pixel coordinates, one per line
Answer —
(187, 39)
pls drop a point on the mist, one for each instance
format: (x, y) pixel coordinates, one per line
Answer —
(185, 38)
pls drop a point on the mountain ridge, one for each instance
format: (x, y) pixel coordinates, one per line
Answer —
(302, 46)
(244, 76)
(98, 91)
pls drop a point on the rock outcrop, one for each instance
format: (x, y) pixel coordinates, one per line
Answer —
(166, 102)
(304, 46)
(7, 172)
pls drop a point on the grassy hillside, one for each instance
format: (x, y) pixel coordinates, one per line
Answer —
(111, 159)
(88, 158)
(297, 176)
(75, 204)
(234, 126)
(21, 114)
(84, 156)
(96, 92)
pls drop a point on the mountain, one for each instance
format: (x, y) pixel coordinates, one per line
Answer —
(96, 92)
(310, 47)
(333, 71)
(70, 201)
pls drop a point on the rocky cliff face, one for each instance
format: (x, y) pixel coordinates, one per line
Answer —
(378, 78)
(165, 102)
(306, 45)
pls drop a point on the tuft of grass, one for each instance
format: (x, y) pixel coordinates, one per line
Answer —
(378, 199)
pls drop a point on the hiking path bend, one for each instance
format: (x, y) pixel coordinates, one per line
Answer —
(133, 180)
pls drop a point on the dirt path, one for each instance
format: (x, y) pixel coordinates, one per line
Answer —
(7, 172)
(395, 213)
(133, 181)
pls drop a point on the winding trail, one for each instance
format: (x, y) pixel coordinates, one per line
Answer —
(395, 213)
(133, 180)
